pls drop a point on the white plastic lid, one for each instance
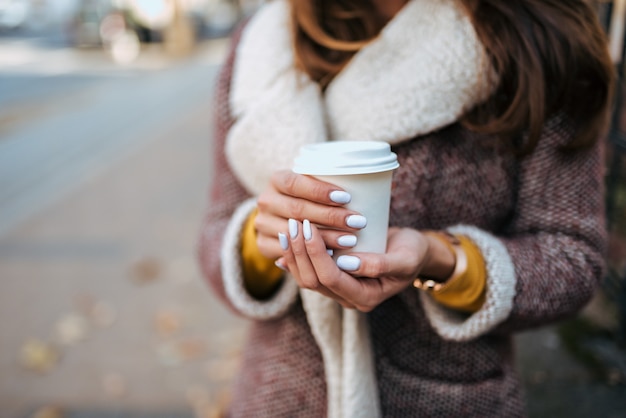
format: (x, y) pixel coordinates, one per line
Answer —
(345, 157)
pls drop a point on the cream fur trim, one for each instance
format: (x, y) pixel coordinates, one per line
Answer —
(344, 340)
(232, 274)
(276, 109)
(424, 70)
(501, 281)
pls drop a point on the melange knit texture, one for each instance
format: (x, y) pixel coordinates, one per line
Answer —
(529, 210)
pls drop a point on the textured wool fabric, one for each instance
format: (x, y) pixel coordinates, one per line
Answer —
(525, 214)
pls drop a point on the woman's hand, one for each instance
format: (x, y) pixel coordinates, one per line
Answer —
(364, 279)
(295, 196)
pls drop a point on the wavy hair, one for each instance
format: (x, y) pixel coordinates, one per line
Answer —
(551, 56)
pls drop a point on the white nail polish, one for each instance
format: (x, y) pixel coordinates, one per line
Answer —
(348, 262)
(347, 240)
(280, 266)
(356, 221)
(330, 252)
(306, 230)
(340, 197)
(293, 228)
(282, 239)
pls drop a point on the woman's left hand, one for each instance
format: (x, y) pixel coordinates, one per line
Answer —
(364, 279)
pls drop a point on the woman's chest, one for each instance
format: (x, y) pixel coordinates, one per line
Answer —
(450, 177)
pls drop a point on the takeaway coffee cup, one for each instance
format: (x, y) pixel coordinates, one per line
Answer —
(363, 169)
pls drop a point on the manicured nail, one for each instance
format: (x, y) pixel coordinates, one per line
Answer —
(282, 239)
(348, 262)
(347, 240)
(280, 265)
(356, 221)
(306, 230)
(293, 228)
(330, 252)
(340, 197)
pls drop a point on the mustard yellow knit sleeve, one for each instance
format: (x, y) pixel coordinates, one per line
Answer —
(261, 276)
(466, 292)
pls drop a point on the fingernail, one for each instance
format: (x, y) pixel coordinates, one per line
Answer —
(280, 266)
(306, 230)
(293, 228)
(340, 197)
(330, 252)
(282, 239)
(356, 221)
(347, 240)
(348, 262)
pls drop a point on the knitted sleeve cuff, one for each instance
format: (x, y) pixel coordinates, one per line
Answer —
(501, 280)
(232, 273)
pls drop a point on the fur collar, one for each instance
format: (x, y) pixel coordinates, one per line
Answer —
(424, 70)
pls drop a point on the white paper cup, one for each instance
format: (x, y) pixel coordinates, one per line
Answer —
(363, 169)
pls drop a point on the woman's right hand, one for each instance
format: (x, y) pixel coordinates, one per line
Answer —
(296, 196)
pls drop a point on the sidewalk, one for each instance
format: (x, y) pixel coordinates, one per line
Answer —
(107, 281)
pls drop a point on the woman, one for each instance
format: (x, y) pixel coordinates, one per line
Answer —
(494, 109)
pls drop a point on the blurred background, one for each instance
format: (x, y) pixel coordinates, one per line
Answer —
(105, 160)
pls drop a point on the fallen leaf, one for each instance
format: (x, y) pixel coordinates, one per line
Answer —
(84, 303)
(191, 348)
(222, 370)
(614, 377)
(172, 353)
(146, 270)
(50, 411)
(71, 329)
(167, 323)
(103, 314)
(114, 385)
(208, 411)
(38, 356)
(206, 406)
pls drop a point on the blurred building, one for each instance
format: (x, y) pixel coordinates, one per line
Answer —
(82, 19)
(34, 14)
(613, 16)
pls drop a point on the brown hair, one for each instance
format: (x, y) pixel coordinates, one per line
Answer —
(551, 56)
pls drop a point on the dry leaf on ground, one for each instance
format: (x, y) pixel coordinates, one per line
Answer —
(50, 411)
(167, 323)
(114, 385)
(103, 314)
(38, 356)
(146, 270)
(173, 353)
(71, 329)
(222, 370)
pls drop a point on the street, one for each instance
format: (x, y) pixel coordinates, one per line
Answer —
(103, 181)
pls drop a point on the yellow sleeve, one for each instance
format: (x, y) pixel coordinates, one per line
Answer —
(260, 274)
(466, 292)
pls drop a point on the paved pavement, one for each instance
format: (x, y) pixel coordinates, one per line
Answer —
(102, 310)
(103, 274)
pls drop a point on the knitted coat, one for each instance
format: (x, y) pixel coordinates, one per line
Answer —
(538, 221)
